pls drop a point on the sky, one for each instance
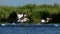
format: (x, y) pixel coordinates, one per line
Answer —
(24, 2)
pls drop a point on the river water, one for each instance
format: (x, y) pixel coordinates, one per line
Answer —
(30, 30)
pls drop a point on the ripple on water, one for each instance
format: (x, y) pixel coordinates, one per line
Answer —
(29, 30)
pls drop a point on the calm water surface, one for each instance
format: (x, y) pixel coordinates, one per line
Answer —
(30, 30)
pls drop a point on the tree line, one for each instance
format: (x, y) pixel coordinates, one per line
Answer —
(34, 12)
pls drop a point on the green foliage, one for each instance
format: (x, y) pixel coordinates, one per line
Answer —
(34, 12)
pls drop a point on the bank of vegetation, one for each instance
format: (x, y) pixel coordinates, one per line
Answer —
(34, 12)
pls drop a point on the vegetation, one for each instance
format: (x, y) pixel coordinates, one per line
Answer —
(34, 12)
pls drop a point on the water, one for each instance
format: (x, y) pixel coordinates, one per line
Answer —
(30, 30)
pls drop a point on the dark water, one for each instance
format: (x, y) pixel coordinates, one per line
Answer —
(30, 30)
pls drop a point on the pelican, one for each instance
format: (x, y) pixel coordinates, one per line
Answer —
(45, 21)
